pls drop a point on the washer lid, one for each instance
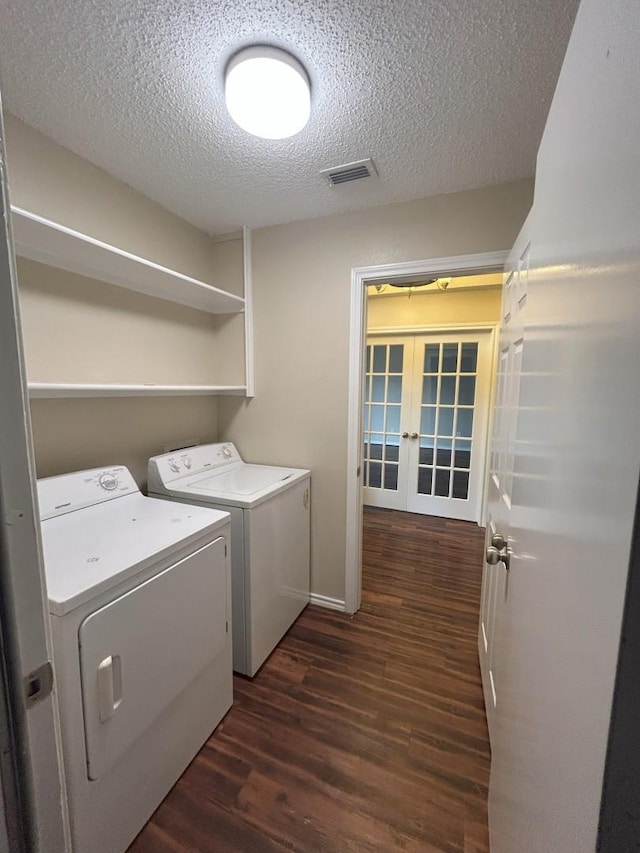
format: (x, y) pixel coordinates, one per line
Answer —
(91, 550)
(242, 485)
(245, 480)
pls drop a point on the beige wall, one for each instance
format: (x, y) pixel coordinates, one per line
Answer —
(77, 329)
(301, 274)
(228, 267)
(57, 184)
(71, 435)
(434, 308)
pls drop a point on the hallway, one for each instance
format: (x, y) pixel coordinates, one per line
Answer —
(358, 734)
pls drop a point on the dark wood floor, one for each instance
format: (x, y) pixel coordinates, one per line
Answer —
(359, 734)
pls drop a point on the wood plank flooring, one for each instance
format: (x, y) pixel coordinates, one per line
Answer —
(362, 734)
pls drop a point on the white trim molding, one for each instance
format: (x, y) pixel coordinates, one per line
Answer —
(360, 278)
(431, 327)
(327, 602)
(247, 267)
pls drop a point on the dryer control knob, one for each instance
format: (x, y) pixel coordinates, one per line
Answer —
(108, 482)
(174, 465)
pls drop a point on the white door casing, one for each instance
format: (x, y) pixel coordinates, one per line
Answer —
(426, 405)
(360, 278)
(26, 646)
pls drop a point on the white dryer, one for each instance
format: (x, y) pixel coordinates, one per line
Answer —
(139, 602)
(270, 537)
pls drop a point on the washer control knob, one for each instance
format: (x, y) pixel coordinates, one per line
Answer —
(187, 462)
(108, 482)
(174, 465)
(226, 452)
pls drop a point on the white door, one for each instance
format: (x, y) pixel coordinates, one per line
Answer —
(30, 745)
(495, 586)
(566, 458)
(425, 421)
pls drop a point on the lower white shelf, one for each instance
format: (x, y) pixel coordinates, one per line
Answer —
(50, 390)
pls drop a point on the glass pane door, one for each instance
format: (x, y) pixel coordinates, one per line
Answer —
(426, 406)
(446, 419)
(451, 389)
(385, 395)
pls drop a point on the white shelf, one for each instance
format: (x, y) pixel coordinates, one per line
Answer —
(42, 240)
(50, 390)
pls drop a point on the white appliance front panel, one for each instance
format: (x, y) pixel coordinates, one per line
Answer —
(277, 549)
(142, 650)
(91, 550)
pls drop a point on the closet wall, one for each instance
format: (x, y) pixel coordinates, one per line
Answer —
(80, 330)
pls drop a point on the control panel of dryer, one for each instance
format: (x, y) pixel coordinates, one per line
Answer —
(195, 460)
(70, 492)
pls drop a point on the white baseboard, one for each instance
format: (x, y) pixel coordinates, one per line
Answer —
(325, 601)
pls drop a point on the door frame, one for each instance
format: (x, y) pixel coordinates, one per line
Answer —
(361, 278)
(31, 774)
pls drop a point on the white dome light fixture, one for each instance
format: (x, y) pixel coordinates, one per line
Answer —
(267, 92)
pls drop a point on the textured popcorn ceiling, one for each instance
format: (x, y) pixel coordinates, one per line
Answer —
(444, 95)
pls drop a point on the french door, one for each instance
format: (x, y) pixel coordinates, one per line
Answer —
(426, 405)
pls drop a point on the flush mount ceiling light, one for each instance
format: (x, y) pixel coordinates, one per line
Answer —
(267, 92)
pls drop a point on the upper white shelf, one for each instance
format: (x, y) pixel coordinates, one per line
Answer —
(48, 242)
(53, 390)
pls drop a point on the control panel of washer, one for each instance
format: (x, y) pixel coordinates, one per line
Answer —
(69, 492)
(195, 460)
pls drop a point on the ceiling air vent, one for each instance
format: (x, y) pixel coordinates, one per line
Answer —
(350, 172)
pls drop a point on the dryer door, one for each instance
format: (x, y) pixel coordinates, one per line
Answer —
(141, 650)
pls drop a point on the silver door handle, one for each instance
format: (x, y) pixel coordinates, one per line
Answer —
(413, 435)
(405, 435)
(495, 555)
(498, 541)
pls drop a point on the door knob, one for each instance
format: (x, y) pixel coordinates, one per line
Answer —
(493, 556)
(498, 541)
(414, 435)
(405, 435)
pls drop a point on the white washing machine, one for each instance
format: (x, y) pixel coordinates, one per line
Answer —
(140, 608)
(270, 537)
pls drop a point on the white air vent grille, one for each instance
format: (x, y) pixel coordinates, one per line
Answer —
(350, 172)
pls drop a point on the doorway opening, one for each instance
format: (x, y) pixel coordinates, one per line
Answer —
(431, 378)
